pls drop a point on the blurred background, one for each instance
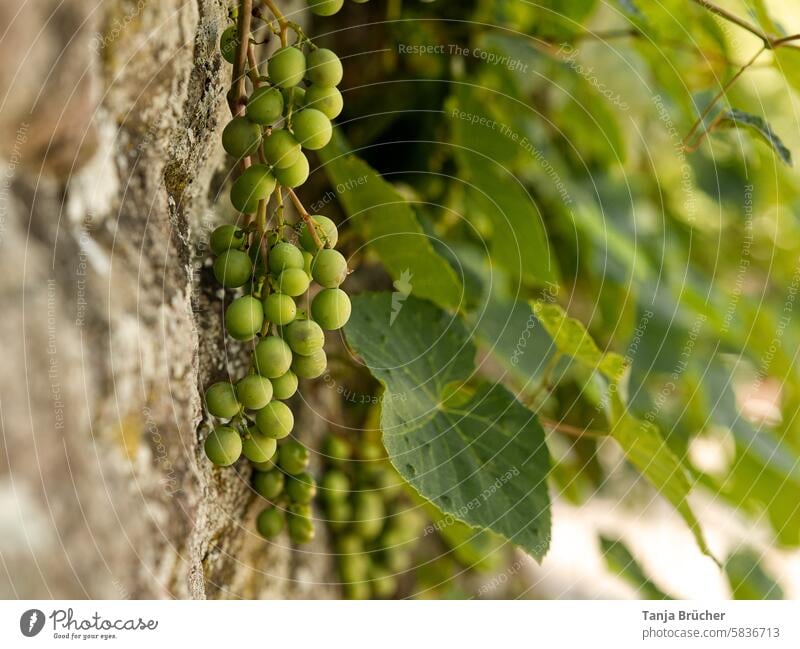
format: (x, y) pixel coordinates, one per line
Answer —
(546, 151)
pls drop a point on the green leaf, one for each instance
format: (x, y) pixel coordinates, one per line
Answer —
(622, 563)
(390, 227)
(747, 578)
(482, 458)
(572, 339)
(735, 118)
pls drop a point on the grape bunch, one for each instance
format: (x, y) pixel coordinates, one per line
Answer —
(373, 524)
(284, 280)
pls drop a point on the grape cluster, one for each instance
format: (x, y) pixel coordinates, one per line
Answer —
(272, 272)
(373, 524)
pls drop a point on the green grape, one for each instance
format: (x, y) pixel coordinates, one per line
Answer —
(275, 420)
(389, 483)
(294, 96)
(284, 386)
(329, 268)
(241, 137)
(371, 451)
(227, 237)
(223, 446)
(358, 590)
(272, 357)
(324, 68)
(295, 175)
(368, 514)
(335, 485)
(312, 128)
(293, 457)
(353, 567)
(339, 515)
(349, 544)
(268, 484)
(325, 7)
(233, 268)
(300, 509)
(227, 44)
(301, 530)
(326, 231)
(301, 488)
(331, 308)
(258, 447)
(397, 559)
(286, 67)
(281, 149)
(221, 400)
(384, 584)
(279, 308)
(265, 105)
(337, 450)
(254, 184)
(293, 281)
(305, 337)
(270, 523)
(244, 317)
(328, 101)
(307, 259)
(254, 392)
(284, 255)
(310, 367)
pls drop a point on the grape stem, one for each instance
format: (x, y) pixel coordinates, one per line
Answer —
(305, 216)
(283, 24)
(572, 431)
(240, 62)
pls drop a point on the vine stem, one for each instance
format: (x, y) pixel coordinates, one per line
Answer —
(305, 216)
(686, 140)
(572, 431)
(240, 62)
(283, 24)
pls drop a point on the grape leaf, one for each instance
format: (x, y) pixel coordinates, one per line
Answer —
(735, 118)
(390, 227)
(469, 447)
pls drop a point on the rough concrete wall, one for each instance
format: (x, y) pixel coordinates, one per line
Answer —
(110, 119)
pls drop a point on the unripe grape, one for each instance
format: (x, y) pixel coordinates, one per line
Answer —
(258, 447)
(265, 105)
(293, 457)
(326, 100)
(272, 357)
(254, 392)
(244, 317)
(307, 259)
(294, 96)
(295, 175)
(353, 567)
(335, 485)
(254, 184)
(312, 366)
(325, 7)
(300, 509)
(383, 583)
(226, 237)
(223, 446)
(339, 514)
(301, 529)
(268, 465)
(286, 67)
(241, 137)
(329, 268)
(359, 590)
(305, 337)
(268, 484)
(284, 255)
(221, 400)
(337, 450)
(349, 544)
(389, 483)
(326, 231)
(397, 559)
(331, 308)
(301, 488)
(312, 128)
(275, 420)
(227, 44)
(293, 281)
(284, 386)
(368, 514)
(281, 149)
(279, 308)
(270, 523)
(233, 268)
(324, 68)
